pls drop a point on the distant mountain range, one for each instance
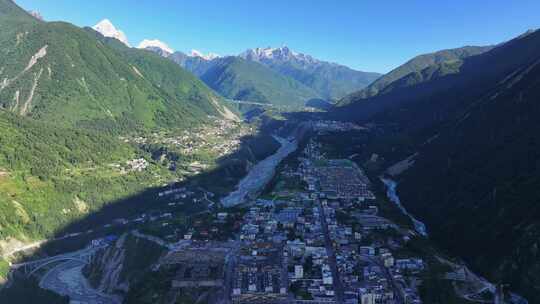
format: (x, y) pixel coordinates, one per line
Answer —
(240, 79)
(328, 81)
(470, 116)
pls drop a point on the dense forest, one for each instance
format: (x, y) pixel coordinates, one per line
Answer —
(474, 180)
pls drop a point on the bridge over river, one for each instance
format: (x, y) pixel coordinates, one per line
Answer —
(84, 256)
(66, 277)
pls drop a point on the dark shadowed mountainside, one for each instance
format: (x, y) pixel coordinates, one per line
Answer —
(475, 179)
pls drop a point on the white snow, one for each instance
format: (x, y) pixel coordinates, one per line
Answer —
(209, 56)
(107, 29)
(155, 43)
(281, 53)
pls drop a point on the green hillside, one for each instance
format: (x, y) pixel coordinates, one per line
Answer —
(239, 79)
(12, 14)
(45, 169)
(413, 69)
(331, 81)
(68, 99)
(58, 72)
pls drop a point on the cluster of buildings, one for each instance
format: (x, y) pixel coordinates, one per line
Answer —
(368, 271)
(322, 244)
(283, 247)
(259, 275)
(320, 240)
(133, 165)
(178, 196)
(220, 138)
(211, 141)
(196, 265)
(338, 179)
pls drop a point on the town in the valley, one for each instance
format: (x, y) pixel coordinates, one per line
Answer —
(302, 152)
(317, 232)
(315, 236)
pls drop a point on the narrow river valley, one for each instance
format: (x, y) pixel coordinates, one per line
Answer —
(260, 174)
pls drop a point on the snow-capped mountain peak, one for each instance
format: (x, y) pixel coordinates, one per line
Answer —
(278, 54)
(107, 29)
(154, 43)
(209, 56)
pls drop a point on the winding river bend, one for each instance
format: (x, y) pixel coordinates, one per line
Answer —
(260, 174)
(391, 193)
(67, 279)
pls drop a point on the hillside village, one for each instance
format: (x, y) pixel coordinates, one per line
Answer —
(197, 149)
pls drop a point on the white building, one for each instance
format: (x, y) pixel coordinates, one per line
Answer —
(298, 271)
(367, 298)
(327, 275)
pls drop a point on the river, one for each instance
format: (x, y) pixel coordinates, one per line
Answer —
(391, 193)
(67, 279)
(421, 229)
(260, 174)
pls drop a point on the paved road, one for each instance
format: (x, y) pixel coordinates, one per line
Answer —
(389, 277)
(230, 263)
(80, 254)
(331, 256)
(269, 105)
(153, 239)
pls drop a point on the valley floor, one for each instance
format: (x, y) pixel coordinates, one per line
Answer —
(321, 231)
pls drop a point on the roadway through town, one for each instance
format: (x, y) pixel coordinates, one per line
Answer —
(397, 290)
(338, 288)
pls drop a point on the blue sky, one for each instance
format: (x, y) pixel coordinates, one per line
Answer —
(369, 35)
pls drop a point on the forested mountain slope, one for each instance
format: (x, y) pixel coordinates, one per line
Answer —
(475, 179)
(267, 72)
(54, 71)
(69, 98)
(417, 70)
(239, 79)
(330, 80)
